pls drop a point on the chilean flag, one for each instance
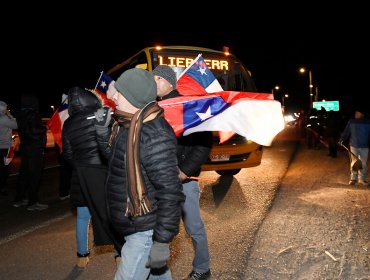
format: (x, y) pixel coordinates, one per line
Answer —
(101, 89)
(56, 122)
(256, 116)
(197, 79)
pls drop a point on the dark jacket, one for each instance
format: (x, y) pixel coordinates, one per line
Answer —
(157, 151)
(192, 150)
(79, 137)
(31, 130)
(358, 133)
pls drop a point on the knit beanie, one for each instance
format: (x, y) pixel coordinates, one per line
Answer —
(137, 86)
(167, 73)
(3, 106)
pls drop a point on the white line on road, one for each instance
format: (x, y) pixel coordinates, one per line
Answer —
(32, 229)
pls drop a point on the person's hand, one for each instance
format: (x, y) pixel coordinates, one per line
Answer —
(159, 255)
(103, 116)
(340, 142)
(182, 175)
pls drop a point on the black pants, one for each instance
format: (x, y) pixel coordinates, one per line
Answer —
(32, 160)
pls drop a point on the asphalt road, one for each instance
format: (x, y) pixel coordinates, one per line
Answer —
(41, 245)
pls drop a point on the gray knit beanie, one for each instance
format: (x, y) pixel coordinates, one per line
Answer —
(137, 86)
(167, 73)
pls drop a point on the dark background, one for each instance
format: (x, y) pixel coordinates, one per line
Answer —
(46, 53)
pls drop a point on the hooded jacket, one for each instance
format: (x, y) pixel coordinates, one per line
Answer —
(79, 137)
(7, 124)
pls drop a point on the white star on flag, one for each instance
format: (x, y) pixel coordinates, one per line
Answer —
(202, 71)
(103, 84)
(206, 115)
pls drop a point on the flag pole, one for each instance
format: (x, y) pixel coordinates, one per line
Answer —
(191, 64)
(101, 73)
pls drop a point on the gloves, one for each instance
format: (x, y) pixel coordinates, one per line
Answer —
(158, 256)
(103, 116)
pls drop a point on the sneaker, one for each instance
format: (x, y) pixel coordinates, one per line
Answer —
(64, 197)
(20, 203)
(37, 206)
(82, 262)
(352, 182)
(199, 276)
(363, 182)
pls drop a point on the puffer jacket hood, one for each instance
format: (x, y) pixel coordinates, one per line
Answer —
(80, 99)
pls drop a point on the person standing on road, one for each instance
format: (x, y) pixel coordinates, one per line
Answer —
(7, 124)
(357, 131)
(32, 134)
(192, 151)
(81, 151)
(144, 193)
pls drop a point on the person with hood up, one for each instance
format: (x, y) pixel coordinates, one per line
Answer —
(81, 151)
(144, 193)
(32, 134)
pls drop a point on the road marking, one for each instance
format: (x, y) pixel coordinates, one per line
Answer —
(32, 229)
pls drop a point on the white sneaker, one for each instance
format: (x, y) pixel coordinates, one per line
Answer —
(20, 203)
(37, 206)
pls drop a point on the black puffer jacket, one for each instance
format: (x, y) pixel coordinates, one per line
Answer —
(79, 137)
(157, 153)
(192, 150)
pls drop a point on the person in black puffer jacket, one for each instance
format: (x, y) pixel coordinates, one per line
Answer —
(144, 193)
(81, 150)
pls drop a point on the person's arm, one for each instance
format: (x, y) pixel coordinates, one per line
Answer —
(161, 167)
(199, 146)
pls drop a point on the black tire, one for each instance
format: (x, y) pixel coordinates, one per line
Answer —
(229, 172)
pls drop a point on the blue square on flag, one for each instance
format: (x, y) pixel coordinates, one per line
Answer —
(103, 83)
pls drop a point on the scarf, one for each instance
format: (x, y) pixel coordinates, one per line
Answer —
(138, 203)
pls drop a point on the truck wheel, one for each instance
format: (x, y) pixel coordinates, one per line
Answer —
(230, 172)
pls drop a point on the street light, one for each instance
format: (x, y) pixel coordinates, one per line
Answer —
(283, 101)
(303, 70)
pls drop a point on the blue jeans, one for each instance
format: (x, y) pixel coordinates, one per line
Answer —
(194, 226)
(82, 230)
(362, 154)
(134, 255)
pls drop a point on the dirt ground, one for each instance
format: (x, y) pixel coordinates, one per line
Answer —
(318, 226)
(295, 217)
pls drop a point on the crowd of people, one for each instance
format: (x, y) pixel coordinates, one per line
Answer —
(132, 177)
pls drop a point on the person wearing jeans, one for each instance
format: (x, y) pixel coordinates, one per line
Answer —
(192, 151)
(82, 232)
(357, 133)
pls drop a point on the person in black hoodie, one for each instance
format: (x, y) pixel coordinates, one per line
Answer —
(81, 151)
(192, 151)
(32, 134)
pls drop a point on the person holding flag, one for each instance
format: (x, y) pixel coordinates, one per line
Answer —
(192, 151)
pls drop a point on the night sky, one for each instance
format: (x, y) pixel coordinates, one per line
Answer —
(46, 54)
